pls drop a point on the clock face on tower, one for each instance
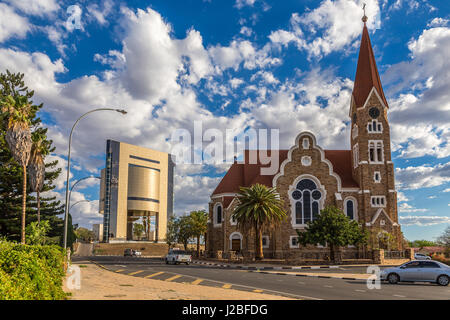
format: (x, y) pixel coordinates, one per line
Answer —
(374, 112)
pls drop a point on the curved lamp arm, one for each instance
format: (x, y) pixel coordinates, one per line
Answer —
(68, 164)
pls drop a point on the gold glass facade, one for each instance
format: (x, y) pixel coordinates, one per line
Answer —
(136, 193)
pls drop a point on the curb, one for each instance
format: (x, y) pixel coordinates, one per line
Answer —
(307, 275)
(263, 268)
(229, 266)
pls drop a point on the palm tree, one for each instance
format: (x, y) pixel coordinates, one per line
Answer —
(36, 166)
(199, 226)
(16, 119)
(258, 207)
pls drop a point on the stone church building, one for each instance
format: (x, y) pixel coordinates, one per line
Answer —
(359, 181)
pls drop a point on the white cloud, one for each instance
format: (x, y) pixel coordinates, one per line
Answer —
(242, 3)
(423, 220)
(11, 24)
(236, 82)
(446, 190)
(423, 176)
(241, 51)
(338, 22)
(401, 197)
(404, 207)
(188, 198)
(424, 102)
(439, 22)
(246, 31)
(100, 13)
(35, 7)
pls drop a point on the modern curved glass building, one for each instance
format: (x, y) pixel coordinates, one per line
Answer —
(136, 193)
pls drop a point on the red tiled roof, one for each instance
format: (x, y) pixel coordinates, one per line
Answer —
(342, 165)
(367, 75)
(245, 175)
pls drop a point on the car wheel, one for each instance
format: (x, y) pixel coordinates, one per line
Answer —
(443, 280)
(187, 263)
(167, 262)
(393, 278)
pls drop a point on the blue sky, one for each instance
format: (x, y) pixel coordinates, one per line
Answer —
(286, 65)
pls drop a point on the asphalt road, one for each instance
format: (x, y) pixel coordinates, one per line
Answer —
(301, 287)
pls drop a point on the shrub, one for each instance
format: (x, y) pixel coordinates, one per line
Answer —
(31, 272)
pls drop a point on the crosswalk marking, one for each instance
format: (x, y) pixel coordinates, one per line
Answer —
(120, 270)
(197, 281)
(154, 274)
(173, 278)
(136, 272)
(226, 286)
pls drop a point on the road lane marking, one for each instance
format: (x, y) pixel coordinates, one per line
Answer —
(360, 290)
(173, 278)
(120, 270)
(226, 286)
(328, 286)
(399, 296)
(257, 291)
(154, 275)
(197, 281)
(136, 272)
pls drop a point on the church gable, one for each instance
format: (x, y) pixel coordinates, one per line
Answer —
(307, 159)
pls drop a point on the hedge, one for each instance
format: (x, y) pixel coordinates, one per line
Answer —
(31, 272)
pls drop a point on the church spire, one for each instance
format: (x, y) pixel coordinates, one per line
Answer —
(367, 75)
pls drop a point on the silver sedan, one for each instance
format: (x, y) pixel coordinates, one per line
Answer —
(418, 271)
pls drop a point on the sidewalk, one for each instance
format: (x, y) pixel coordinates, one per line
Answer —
(100, 284)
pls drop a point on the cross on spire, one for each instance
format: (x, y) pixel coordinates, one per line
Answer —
(364, 18)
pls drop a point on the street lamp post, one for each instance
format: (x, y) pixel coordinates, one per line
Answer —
(68, 166)
(80, 201)
(78, 181)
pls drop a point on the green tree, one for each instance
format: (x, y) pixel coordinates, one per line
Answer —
(16, 112)
(334, 229)
(444, 240)
(84, 234)
(258, 207)
(37, 232)
(422, 243)
(184, 230)
(11, 173)
(198, 225)
(40, 148)
(172, 231)
(138, 230)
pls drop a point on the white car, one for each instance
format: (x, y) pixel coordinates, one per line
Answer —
(421, 256)
(418, 271)
(176, 256)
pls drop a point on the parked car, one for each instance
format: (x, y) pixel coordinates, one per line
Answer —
(418, 271)
(132, 253)
(177, 256)
(421, 256)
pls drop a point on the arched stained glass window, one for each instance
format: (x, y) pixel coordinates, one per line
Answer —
(307, 201)
(219, 214)
(350, 208)
(306, 184)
